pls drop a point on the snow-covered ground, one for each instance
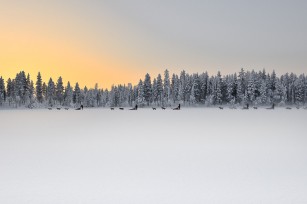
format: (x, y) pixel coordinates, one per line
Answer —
(191, 156)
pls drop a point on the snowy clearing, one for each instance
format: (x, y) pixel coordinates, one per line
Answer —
(153, 157)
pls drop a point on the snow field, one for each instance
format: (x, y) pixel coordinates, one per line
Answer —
(190, 156)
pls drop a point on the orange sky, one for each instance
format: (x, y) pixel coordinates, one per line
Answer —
(59, 46)
(54, 58)
(26, 48)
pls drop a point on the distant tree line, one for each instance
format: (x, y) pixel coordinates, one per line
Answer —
(257, 88)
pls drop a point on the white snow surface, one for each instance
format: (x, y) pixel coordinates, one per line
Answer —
(192, 156)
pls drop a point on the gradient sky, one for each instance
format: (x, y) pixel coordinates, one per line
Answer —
(120, 41)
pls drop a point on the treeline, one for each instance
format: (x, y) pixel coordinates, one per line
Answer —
(257, 88)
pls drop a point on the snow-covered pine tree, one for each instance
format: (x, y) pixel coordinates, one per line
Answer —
(117, 96)
(147, 89)
(218, 89)
(39, 88)
(175, 88)
(27, 94)
(2, 91)
(15, 96)
(188, 87)
(263, 92)
(263, 74)
(211, 91)
(160, 89)
(251, 88)
(112, 99)
(230, 89)
(182, 83)
(282, 90)
(51, 92)
(20, 87)
(82, 96)
(210, 99)
(68, 95)
(130, 95)
(44, 89)
(87, 97)
(286, 82)
(60, 91)
(155, 95)
(31, 91)
(17, 90)
(167, 87)
(77, 94)
(121, 95)
(135, 93)
(192, 96)
(105, 98)
(197, 88)
(241, 86)
(140, 97)
(273, 81)
(203, 87)
(97, 95)
(10, 91)
(258, 80)
(235, 86)
(293, 78)
(299, 90)
(270, 93)
(172, 87)
(224, 88)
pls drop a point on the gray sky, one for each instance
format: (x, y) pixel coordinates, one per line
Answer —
(224, 35)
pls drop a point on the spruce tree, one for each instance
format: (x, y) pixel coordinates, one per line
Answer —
(97, 95)
(263, 92)
(299, 91)
(77, 94)
(192, 96)
(167, 87)
(60, 91)
(197, 88)
(159, 89)
(51, 92)
(2, 91)
(44, 89)
(251, 89)
(182, 83)
(155, 95)
(175, 88)
(218, 91)
(68, 95)
(230, 89)
(187, 88)
(204, 87)
(10, 90)
(31, 91)
(140, 98)
(273, 81)
(39, 88)
(28, 96)
(147, 89)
